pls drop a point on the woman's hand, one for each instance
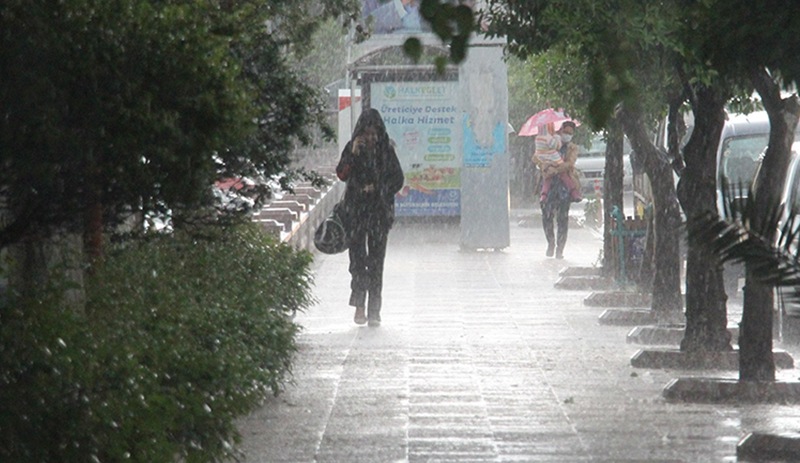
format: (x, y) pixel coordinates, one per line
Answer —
(359, 144)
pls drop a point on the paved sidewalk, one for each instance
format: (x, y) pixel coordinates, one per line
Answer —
(480, 359)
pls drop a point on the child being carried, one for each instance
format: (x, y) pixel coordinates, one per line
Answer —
(548, 156)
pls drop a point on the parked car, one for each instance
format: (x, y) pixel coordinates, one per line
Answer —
(743, 141)
(742, 145)
(591, 166)
(788, 304)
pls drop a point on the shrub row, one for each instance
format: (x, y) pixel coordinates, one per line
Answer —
(178, 338)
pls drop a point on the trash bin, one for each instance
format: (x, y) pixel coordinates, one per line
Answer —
(629, 239)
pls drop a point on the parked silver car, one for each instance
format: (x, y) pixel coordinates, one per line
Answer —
(591, 166)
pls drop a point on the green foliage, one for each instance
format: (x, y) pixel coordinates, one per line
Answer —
(736, 36)
(179, 338)
(595, 53)
(593, 212)
(551, 79)
(140, 105)
(523, 94)
(122, 102)
(413, 48)
(287, 66)
(746, 234)
(452, 23)
(324, 60)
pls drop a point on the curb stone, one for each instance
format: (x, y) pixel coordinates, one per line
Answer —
(676, 359)
(665, 335)
(758, 446)
(725, 390)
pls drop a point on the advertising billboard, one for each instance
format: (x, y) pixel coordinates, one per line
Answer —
(424, 121)
(393, 17)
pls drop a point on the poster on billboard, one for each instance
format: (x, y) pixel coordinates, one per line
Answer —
(393, 17)
(423, 119)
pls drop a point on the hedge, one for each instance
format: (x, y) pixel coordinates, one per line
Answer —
(178, 338)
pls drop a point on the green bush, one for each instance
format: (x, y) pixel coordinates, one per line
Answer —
(179, 338)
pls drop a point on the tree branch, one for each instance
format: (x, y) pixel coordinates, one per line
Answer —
(765, 86)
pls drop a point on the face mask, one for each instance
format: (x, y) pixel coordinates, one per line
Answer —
(566, 138)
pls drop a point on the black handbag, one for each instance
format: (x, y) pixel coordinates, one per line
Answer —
(331, 236)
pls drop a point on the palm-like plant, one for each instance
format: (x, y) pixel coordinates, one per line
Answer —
(765, 241)
(765, 238)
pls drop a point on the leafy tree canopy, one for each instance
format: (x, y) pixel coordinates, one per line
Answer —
(142, 104)
(615, 46)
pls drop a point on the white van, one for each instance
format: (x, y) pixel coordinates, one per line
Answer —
(789, 306)
(742, 146)
(743, 139)
(742, 143)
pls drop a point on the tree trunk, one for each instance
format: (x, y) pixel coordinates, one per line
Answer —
(667, 302)
(706, 311)
(675, 132)
(612, 189)
(755, 334)
(28, 274)
(93, 233)
(36, 257)
(755, 331)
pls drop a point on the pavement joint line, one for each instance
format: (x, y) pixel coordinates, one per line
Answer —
(332, 403)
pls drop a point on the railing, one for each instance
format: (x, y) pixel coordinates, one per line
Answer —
(295, 217)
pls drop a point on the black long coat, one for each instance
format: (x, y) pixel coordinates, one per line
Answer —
(373, 179)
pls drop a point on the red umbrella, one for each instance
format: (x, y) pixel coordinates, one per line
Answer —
(546, 116)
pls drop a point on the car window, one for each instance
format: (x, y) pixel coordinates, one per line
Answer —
(598, 147)
(740, 157)
(794, 193)
(591, 154)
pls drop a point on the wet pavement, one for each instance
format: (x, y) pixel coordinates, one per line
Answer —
(480, 359)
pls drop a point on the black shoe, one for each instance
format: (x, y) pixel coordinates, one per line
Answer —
(374, 309)
(374, 318)
(559, 254)
(549, 252)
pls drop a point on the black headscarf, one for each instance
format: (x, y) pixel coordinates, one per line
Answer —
(372, 118)
(378, 167)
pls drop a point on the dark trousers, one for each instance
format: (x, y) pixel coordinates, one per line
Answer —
(367, 253)
(557, 212)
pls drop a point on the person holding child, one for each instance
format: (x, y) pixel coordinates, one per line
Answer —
(555, 156)
(550, 156)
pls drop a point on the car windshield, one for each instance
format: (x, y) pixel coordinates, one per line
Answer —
(740, 157)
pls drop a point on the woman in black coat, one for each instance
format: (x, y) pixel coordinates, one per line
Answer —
(373, 174)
